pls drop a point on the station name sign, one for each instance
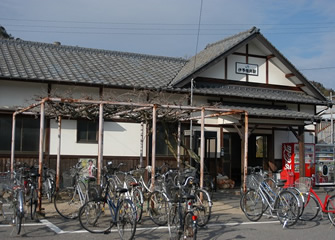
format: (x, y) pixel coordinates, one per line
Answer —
(245, 68)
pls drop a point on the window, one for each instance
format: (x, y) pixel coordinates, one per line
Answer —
(162, 147)
(5, 133)
(27, 134)
(87, 131)
(261, 147)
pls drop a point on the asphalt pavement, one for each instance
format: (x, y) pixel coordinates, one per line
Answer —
(227, 222)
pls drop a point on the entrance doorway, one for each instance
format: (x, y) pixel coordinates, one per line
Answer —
(258, 154)
(210, 160)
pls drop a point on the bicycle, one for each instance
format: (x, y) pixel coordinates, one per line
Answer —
(31, 190)
(13, 188)
(94, 217)
(259, 198)
(313, 204)
(68, 201)
(203, 202)
(158, 203)
(126, 181)
(182, 221)
(49, 183)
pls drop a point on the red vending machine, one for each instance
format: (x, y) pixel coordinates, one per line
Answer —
(290, 160)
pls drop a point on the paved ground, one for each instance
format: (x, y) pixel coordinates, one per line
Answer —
(224, 201)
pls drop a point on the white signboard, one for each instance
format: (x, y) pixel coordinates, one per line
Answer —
(245, 68)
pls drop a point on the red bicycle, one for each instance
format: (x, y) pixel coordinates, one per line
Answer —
(313, 203)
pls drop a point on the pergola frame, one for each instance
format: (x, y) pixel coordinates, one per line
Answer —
(178, 112)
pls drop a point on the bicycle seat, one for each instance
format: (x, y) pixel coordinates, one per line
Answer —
(34, 174)
(90, 178)
(189, 197)
(134, 184)
(121, 190)
(328, 189)
(280, 184)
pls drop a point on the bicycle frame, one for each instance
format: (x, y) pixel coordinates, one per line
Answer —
(113, 208)
(264, 190)
(82, 196)
(322, 204)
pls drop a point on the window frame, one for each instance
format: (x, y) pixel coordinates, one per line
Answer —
(87, 127)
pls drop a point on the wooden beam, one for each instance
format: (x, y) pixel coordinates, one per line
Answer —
(294, 132)
(270, 56)
(289, 75)
(250, 55)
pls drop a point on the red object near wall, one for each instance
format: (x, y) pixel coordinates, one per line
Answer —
(290, 161)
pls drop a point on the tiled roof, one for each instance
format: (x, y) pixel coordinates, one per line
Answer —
(65, 64)
(211, 52)
(273, 112)
(49, 62)
(260, 93)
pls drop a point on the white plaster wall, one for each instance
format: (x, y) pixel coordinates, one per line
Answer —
(216, 71)
(261, 78)
(232, 59)
(69, 145)
(20, 94)
(120, 139)
(76, 92)
(277, 77)
(281, 137)
(253, 49)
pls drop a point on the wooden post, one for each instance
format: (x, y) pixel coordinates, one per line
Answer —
(245, 149)
(100, 142)
(202, 147)
(178, 146)
(12, 154)
(40, 157)
(58, 152)
(141, 145)
(153, 153)
(301, 139)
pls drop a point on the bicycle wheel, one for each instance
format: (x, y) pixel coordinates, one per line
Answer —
(190, 226)
(287, 207)
(252, 205)
(300, 197)
(158, 207)
(18, 209)
(174, 222)
(18, 221)
(310, 209)
(50, 189)
(33, 201)
(204, 203)
(95, 216)
(126, 219)
(331, 209)
(137, 198)
(67, 203)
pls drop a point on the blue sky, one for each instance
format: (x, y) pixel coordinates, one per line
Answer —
(302, 30)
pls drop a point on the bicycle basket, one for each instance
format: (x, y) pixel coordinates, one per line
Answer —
(138, 173)
(303, 184)
(253, 181)
(5, 181)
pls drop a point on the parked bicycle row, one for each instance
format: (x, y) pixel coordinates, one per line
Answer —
(290, 203)
(175, 199)
(19, 190)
